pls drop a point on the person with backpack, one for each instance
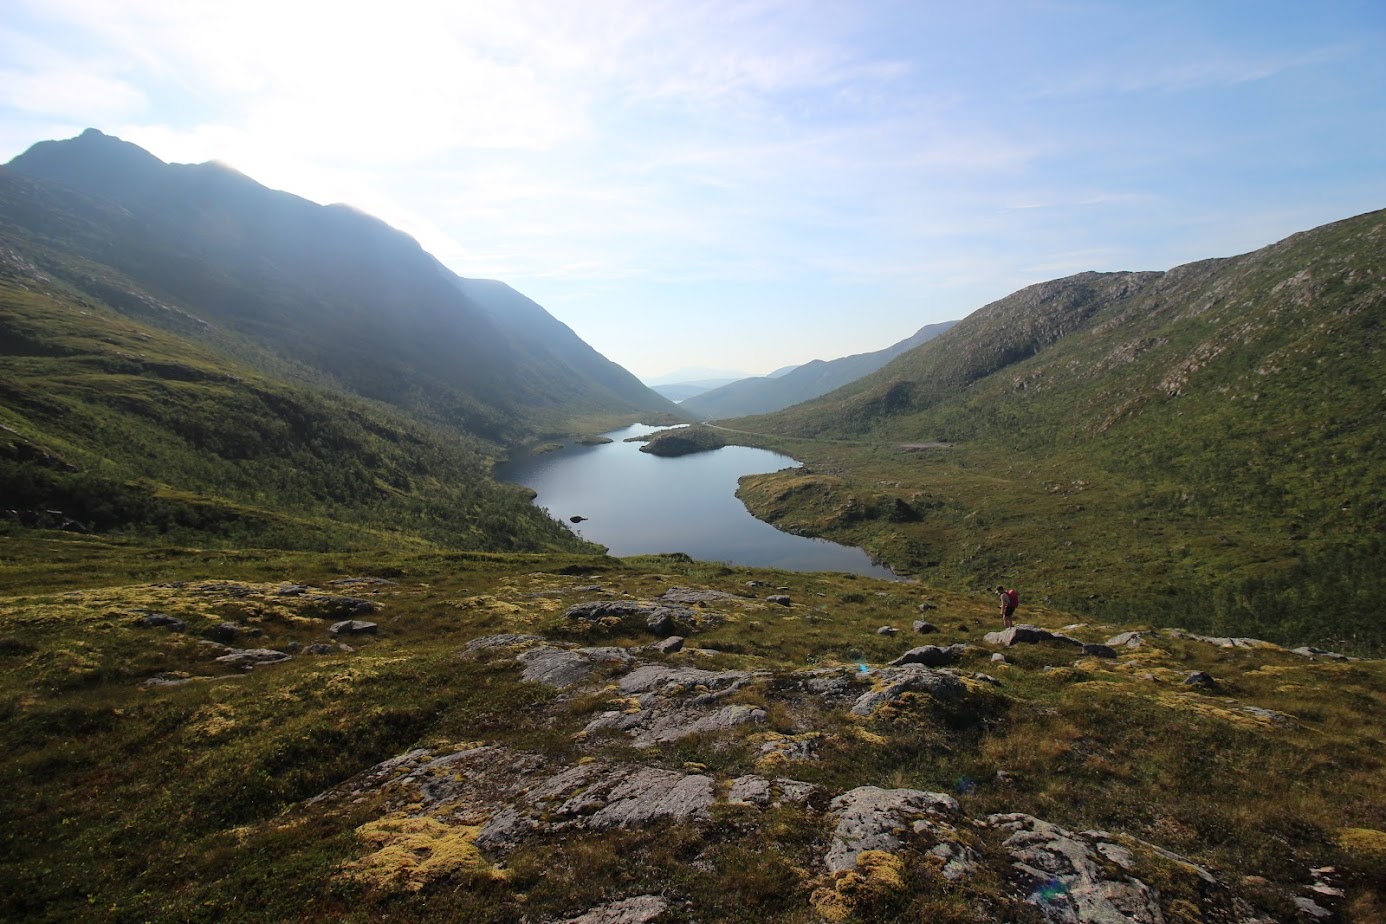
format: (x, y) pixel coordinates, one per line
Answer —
(1009, 601)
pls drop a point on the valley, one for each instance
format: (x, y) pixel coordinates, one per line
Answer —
(277, 644)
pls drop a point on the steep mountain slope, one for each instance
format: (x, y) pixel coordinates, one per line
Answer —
(1205, 439)
(782, 389)
(114, 426)
(327, 289)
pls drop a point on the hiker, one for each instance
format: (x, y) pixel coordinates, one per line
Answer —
(1009, 601)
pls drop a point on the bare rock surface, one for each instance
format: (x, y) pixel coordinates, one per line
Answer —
(1076, 878)
(508, 640)
(758, 790)
(657, 618)
(557, 667)
(668, 722)
(893, 682)
(640, 909)
(248, 658)
(871, 818)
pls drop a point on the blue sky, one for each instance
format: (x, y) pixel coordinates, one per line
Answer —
(753, 184)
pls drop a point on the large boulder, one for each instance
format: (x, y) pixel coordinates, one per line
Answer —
(930, 656)
(1029, 635)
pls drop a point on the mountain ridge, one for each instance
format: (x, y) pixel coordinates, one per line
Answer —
(795, 384)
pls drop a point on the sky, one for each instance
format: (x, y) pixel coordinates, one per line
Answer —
(746, 185)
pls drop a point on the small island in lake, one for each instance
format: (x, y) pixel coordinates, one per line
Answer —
(683, 441)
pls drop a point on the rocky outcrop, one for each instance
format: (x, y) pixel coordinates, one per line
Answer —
(893, 682)
(1076, 878)
(556, 667)
(249, 658)
(870, 818)
(626, 614)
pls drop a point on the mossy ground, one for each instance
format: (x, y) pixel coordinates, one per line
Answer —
(188, 803)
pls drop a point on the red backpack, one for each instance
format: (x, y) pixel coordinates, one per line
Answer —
(1014, 598)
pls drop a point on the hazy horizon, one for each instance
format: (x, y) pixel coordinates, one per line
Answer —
(747, 185)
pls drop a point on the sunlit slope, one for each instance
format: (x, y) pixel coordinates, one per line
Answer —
(109, 425)
(324, 287)
(1199, 444)
(1256, 378)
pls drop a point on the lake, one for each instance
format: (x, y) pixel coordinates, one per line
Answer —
(637, 504)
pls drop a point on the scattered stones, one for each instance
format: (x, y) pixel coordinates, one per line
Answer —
(998, 658)
(558, 668)
(354, 627)
(249, 658)
(930, 656)
(781, 599)
(925, 607)
(789, 749)
(888, 630)
(1199, 679)
(320, 648)
(924, 628)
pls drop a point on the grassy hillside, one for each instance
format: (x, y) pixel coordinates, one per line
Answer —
(1198, 445)
(149, 781)
(112, 426)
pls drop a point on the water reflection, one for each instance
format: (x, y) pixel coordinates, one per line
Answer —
(635, 503)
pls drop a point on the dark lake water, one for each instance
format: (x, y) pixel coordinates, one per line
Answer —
(638, 504)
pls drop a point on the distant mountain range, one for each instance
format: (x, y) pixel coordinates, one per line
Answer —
(794, 384)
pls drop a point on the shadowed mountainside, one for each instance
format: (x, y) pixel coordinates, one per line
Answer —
(328, 289)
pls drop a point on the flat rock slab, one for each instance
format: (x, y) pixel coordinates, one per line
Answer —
(669, 681)
(354, 627)
(249, 658)
(1028, 635)
(560, 668)
(870, 818)
(758, 790)
(640, 909)
(508, 640)
(668, 722)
